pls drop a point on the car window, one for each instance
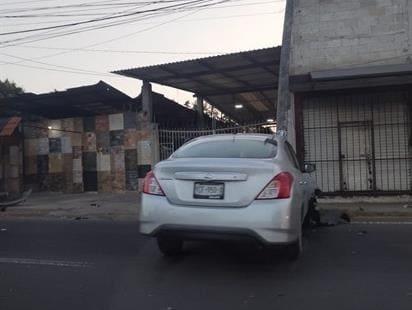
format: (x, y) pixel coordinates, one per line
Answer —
(292, 155)
(230, 148)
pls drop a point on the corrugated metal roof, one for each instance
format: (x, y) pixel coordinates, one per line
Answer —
(100, 98)
(249, 78)
(8, 125)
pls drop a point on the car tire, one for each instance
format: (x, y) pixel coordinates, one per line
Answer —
(312, 218)
(294, 250)
(170, 246)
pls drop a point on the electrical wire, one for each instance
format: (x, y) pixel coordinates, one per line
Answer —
(64, 71)
(76, 12)
(23, 2)
(151, 52)
(89, 72)
(65, 20)
(99, 19)
(97, 4)
(40, 37)
(95, 44)
(82, 10)
(38, 1)
(56, 66)
(182, 21)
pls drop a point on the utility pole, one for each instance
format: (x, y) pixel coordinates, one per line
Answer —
(283, 103)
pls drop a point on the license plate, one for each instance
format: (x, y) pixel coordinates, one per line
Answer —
(209, 190)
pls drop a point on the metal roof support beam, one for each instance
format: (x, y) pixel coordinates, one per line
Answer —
(259, 64)
(229, 76)
(147, 102)
(200, 109)
(176, 75)
(207, 72)
(239, 90)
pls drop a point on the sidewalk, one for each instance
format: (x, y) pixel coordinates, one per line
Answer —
(48, 205)
(370, 209)
(125, 206)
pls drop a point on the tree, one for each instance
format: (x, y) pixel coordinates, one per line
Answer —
(9, 89)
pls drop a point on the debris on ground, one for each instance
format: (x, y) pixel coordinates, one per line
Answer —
(332, 218)
(344, 216)
(13, 202)
(362, 233)
(95, 204)
(3, 229)
(78, 218)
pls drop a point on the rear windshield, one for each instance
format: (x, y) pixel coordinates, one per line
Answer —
(233, 148)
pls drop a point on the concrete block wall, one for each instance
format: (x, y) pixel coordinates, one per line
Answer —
(330, 34)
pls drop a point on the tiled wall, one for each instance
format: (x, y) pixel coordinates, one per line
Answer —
(114, 150)
(11, 166)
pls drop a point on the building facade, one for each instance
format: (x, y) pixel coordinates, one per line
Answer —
(90, 138)
(11, 156)
(351, 79)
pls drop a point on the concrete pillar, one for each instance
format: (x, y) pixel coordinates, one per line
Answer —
(291, 123)
(147, 102)
(200, 111)
(283, 103)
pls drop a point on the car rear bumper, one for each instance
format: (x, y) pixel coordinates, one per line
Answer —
(265, 221)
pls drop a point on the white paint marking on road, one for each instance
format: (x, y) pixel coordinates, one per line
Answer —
(44, 262)
(381, 223)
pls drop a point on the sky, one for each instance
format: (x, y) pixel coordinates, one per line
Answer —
(60, 63)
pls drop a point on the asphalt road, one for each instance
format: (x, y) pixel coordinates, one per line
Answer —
(107, 265)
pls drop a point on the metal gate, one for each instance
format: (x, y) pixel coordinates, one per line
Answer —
(360, 143)
(356, 156)
(171, 139)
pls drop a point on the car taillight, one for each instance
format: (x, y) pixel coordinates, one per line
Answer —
(151, 186)
(279, 187)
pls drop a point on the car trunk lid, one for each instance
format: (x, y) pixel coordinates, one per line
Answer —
(241, 179)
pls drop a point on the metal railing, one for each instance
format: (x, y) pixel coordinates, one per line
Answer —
(171, 139)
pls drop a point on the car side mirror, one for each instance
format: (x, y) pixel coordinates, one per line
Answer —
(309, 168)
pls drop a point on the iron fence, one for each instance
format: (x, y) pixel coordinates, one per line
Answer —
(359, 143)
(171, 139)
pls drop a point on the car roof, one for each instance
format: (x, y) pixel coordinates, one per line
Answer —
(253, 136)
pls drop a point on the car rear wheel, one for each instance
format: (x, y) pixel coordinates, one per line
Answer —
(312, 218)
(170, 246)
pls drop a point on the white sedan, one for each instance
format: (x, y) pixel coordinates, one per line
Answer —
(238, 186)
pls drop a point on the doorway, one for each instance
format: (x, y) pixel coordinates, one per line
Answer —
(356, 156)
